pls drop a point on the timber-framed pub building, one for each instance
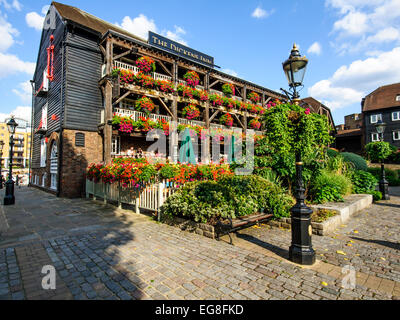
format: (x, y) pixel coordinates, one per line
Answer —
(82, 86)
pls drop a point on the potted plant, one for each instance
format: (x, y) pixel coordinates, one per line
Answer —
(226, 120)
(228, 89)
(146, 64)
(192, 78)
(255, 124)
(145, 105)
(254, 97)
(191, 112)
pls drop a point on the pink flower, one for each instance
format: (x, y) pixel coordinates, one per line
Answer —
(308, 111)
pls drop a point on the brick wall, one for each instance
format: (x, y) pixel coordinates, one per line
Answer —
(75, 161)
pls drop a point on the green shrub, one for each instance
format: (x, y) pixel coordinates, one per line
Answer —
(359, 162)
(378, 151)
(329, 187)
(392, 176)
(339, 165)
(377, 195)
(363, 182)
(230, 197)
(332, 153)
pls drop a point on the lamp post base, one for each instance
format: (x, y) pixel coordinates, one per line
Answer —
(304, 256)
(384, 189)
(9, 198)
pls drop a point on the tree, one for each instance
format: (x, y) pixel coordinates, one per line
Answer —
(378, 151)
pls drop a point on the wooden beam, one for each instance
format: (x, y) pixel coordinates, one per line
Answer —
(166, 108)
(122, 54)
(165, 68)
(122, 98)
(240, 122)
(214, 83)
(214, 115)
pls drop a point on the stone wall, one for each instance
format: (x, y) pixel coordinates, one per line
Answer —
(75, 161)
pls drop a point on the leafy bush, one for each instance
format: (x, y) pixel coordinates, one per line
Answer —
(377, 195)
(359, 162)
(392, 176)
(339, 165)
(230, 197)
(363, 182)
(378, 151)
(332, 152)
(329, 187)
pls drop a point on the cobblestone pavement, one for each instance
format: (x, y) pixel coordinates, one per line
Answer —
(101, 252)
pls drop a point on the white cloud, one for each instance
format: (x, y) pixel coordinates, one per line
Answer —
(231, 72)
(349, 84)
(315, 48)
(260, 13)
(365, 23)
(139, 26)
(11, 64)
(176, 36)
(24, 91)
(34, 20)
(14, 5)
(19, 112)
(7, 34)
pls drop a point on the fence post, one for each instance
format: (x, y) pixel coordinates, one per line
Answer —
(137, 209)
(105, 193)
(119, 195)
(94, 191)
(160, 200)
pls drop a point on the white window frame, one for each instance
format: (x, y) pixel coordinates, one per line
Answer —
(53, 166)
(375, 135)
(378, 117)
(44, 177)
(44, 116)
(398, 135)
(398, 97)
(397, 118)
(43, 152)
(116, 146)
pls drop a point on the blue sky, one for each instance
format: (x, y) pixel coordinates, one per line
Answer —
(353, 45)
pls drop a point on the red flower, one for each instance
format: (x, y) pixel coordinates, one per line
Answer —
(308, 111)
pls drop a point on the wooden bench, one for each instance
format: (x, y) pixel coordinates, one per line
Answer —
(231, 225)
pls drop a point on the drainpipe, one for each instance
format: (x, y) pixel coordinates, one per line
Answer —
(32, 136)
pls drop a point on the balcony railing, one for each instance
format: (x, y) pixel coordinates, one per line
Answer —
(135, 115)
(212, 91)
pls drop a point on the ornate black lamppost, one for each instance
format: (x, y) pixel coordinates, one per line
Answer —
(383, 183)
(9, 198)
(1, 163)
(301, 250)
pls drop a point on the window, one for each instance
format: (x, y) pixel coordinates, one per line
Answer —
(36, 181)
(375, 118)
(44, 180)
(53, 166)
(43, 152)
(116, 146)
(396, 116)
(375, 137)
(396, 135)
(398, 97)
(44, 117)
(79, 139)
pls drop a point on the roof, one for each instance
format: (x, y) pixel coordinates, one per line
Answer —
(348, 133)
(382, 98)
(87, 20)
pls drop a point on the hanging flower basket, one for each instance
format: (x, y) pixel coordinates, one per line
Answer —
(255, 124)
(191, 112)
(254, 97)
(228, 89)
(145, 81)
(192, 78)
(226, 120)
(146, 64)
(145, 105)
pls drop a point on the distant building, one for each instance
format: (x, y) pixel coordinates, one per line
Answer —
(319, 108)
(22, 144)
(382, 104)
(350, 135)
